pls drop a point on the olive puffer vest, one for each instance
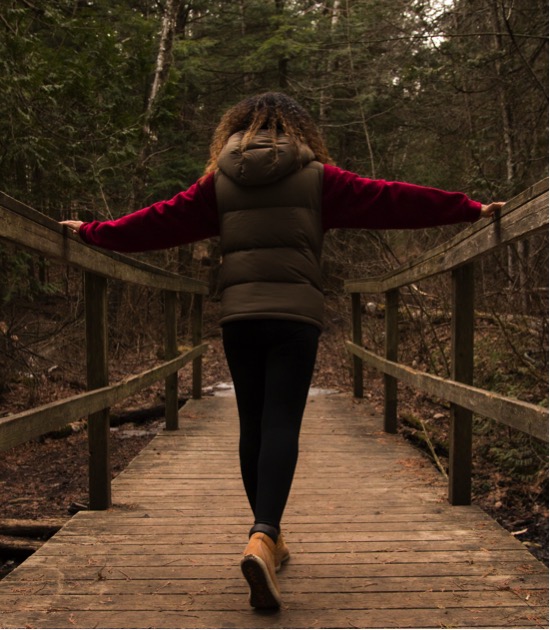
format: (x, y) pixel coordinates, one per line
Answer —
(269, 201)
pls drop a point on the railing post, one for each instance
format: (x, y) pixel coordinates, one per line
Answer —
(97, 369)
(390, 382)
(462, 370)
(357, 338)
(171, 351)
(196, 337)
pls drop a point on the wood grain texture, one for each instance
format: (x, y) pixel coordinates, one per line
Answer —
(526, 417)
(374, 543)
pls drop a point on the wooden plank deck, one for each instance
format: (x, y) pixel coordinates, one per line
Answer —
(374, 543)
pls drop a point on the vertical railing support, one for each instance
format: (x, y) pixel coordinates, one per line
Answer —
(196, 337)
(357, 338)
(462, 370)
(390, 382)
(171, 351)
(97, 369)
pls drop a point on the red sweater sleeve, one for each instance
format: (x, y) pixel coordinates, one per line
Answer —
(190, 216)
(350, 201)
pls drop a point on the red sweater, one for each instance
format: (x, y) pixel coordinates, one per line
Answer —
(348, 201)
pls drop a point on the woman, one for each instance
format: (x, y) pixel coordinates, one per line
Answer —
(270, 192)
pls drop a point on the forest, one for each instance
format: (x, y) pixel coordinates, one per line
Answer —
(109, 106)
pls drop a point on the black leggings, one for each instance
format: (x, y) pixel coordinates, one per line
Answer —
(271, 362)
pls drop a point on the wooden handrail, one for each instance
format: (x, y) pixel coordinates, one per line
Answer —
(20, 427)
(526, 417)
(33, 230)
(25, 227)
(522, 216)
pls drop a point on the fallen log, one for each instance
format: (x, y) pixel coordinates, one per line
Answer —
(28, 528)
(14, 547)
(141, 415)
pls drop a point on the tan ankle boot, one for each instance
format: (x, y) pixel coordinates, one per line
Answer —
(282, 553)
(258, 567)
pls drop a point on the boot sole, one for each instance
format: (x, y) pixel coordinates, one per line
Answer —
(263, 592)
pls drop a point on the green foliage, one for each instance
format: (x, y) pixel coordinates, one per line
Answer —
(18, 279)
(521, 459)
(512, 452)
(65, 110)
(13, 282)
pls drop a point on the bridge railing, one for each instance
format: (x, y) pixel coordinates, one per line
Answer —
(522, 216)
(25, 227)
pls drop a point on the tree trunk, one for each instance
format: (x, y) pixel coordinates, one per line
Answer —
(517, 253)
(163, 62)
(162, 67)
(353, 76)
(282, 64)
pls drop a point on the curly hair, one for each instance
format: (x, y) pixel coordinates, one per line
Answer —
(274, 111)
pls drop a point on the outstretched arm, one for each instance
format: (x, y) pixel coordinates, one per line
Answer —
(190, 216)
(351, 201)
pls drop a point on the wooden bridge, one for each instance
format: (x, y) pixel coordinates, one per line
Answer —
(376, 538)
(374, 542)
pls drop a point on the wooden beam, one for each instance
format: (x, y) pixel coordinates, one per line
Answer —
(196, 334)
(391, 343)
(21, 427)
(523, 416)
(170, 351)
(95, 292)
(357, 337)
(462, 370)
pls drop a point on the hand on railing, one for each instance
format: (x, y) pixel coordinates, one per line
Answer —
(490, 209)
(75, 225)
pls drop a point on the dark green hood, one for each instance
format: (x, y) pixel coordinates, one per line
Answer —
(261, 161)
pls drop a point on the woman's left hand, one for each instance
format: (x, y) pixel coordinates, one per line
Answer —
(72, 225)
(490, 209)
